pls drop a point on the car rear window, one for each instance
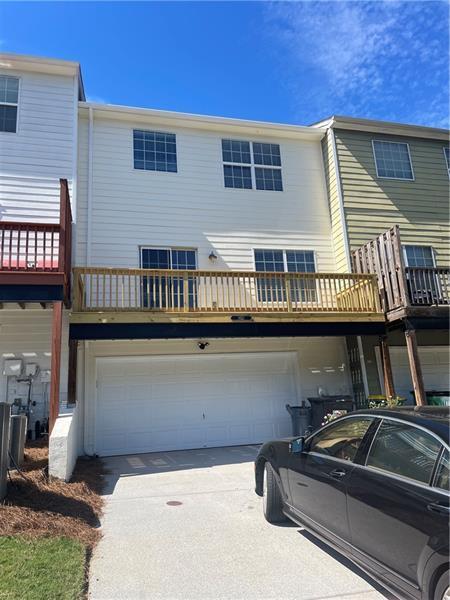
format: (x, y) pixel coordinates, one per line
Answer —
(404, 450)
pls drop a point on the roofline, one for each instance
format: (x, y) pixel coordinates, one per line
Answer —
(205, 121)
(11, 60)
(390, 127)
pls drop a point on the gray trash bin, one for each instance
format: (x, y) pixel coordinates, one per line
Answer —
(301, 419)
(17, 436)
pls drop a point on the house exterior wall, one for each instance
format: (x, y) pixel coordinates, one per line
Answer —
(192, 208)
(33, 159)
(322, 362)
(373, 204)
(338, 225)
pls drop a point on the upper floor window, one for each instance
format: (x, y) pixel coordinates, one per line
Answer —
(271, 289)
(447, 159)
(154, 151)
(419, 256)
(252, 165)
(392, 160)
(9, 99)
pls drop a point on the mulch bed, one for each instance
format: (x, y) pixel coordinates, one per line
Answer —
(42, 506)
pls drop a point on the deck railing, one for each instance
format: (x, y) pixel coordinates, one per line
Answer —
(174, 291)
(401, 286)
(27, 247)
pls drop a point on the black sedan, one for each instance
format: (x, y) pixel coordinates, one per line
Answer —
(375, 485)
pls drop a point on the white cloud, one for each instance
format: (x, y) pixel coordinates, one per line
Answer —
(348, 57)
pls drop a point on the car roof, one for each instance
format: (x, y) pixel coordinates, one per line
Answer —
(434, 418)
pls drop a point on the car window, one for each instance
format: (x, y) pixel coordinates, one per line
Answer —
(404, 450)
(342, 439)
(442, 473)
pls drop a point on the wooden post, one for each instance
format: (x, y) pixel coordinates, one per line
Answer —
(415, 368)
(72, 374)
(387, 368)
(55, 363)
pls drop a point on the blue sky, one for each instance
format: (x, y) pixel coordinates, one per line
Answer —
(294, 62)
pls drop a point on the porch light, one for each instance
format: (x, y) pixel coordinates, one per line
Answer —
(212, 256)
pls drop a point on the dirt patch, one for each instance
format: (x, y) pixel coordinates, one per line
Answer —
(42, 506)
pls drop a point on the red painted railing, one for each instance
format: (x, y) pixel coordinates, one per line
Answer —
(39, 247)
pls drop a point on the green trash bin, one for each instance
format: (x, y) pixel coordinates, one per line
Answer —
(436, 398)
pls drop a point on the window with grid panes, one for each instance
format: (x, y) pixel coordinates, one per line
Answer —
(154, 151)
(9, 99)
(392, 160)
(252, 164)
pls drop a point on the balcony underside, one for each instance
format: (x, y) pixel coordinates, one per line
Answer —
(422, 317)
(19, 286)
(150, 328)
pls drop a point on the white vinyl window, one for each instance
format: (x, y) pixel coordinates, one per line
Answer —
(9, 100)
(419, 256)
(392, 160)
(271, 289)
(252, 164)
(447, 159)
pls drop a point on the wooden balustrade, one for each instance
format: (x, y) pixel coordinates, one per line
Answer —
(176, 291)
(401, 286)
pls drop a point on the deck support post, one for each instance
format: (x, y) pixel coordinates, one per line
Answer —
(389, 387)
(55, 363)
(72, 374)
(415, 367)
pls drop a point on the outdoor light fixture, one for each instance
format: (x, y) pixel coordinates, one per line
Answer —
(202, 345)
(212, 256)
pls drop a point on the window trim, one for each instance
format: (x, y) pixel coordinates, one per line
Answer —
(19, 93)
(447, 161)
(413, 178)
(251, 165)
(133, 168)
(405, 256)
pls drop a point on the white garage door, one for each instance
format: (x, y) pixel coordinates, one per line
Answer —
(147, 404)
(435, 368)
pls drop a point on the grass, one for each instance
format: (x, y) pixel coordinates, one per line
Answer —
(50, 568)
(48, 529)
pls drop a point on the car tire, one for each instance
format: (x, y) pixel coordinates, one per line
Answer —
(272, 500)
(442, 589)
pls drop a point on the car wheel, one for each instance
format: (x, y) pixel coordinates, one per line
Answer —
(272, 500)
(442, 590)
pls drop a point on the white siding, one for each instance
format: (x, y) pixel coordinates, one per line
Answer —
(26, 334)
(192, 208)
(42, 151)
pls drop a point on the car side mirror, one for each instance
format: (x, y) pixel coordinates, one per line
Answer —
(297, 446)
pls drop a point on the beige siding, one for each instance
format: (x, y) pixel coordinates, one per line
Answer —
(372, 204)
(337, 224)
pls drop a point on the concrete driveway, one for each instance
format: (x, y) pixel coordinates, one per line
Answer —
(188, 526)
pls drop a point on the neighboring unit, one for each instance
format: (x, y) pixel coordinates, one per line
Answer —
(388, 188)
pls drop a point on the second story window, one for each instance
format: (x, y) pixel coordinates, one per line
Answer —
(154, 151)
(419, 256)
(447, 159)
(252, 164)
(392, 160)
(9, 99)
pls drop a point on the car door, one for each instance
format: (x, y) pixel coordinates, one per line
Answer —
(318, 475)
(394, 512)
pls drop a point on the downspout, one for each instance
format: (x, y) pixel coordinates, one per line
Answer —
(90, 186)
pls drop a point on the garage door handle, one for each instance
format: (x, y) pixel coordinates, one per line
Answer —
(337, 473)
(203, 415)
(442, 509)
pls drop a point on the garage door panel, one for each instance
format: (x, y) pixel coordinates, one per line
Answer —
(170, 403)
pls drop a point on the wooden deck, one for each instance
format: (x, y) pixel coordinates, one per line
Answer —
(147, 295)
(404, 291)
